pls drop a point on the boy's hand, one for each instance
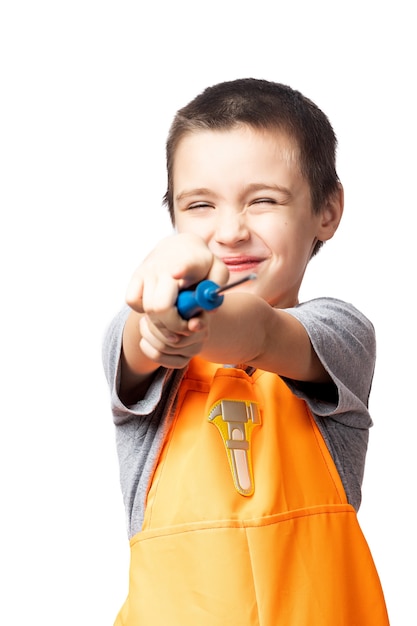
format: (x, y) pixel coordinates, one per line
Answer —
(172, 345)
(176, 263)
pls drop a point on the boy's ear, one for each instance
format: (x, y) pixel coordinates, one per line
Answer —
(331, 215)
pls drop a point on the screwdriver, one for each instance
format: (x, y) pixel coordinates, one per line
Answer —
(205, 297)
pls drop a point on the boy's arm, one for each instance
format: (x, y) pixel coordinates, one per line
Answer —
(153, 340)
(246, 329)
(136, 368)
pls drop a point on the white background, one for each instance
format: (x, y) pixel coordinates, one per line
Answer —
(88, 91)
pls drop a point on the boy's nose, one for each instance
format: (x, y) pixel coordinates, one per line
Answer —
(231, 228)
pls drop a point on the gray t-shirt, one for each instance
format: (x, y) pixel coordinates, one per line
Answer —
(344, 340)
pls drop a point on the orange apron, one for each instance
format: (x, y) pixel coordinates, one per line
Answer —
(247, 522)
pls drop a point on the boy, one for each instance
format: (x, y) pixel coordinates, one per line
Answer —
(242, 432)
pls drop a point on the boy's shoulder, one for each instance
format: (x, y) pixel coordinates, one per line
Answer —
(326, 316)
(328, 308)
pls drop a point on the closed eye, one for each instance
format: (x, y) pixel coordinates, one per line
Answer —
(199, 205)
(265, 200)
(265, 203)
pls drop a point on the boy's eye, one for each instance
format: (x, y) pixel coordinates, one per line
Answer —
(199, 205)
(264, 201)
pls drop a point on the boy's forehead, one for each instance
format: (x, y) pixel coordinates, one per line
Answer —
(233, 159)
(277, 139)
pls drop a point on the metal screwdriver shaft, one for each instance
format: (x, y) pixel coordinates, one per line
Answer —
(236, 283)
(205, 297)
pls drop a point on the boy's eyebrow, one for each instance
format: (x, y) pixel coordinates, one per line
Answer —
(204, 191)
(201, 191)
(267, 187)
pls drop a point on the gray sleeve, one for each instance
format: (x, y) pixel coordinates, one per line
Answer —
(112, 347)
(140, 428)
(344, 340)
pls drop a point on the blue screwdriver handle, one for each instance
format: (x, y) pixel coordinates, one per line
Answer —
(204, 297)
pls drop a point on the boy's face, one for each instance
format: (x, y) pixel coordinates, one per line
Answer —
(241, 190)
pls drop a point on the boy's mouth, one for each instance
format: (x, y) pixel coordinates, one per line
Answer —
(242, 263)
